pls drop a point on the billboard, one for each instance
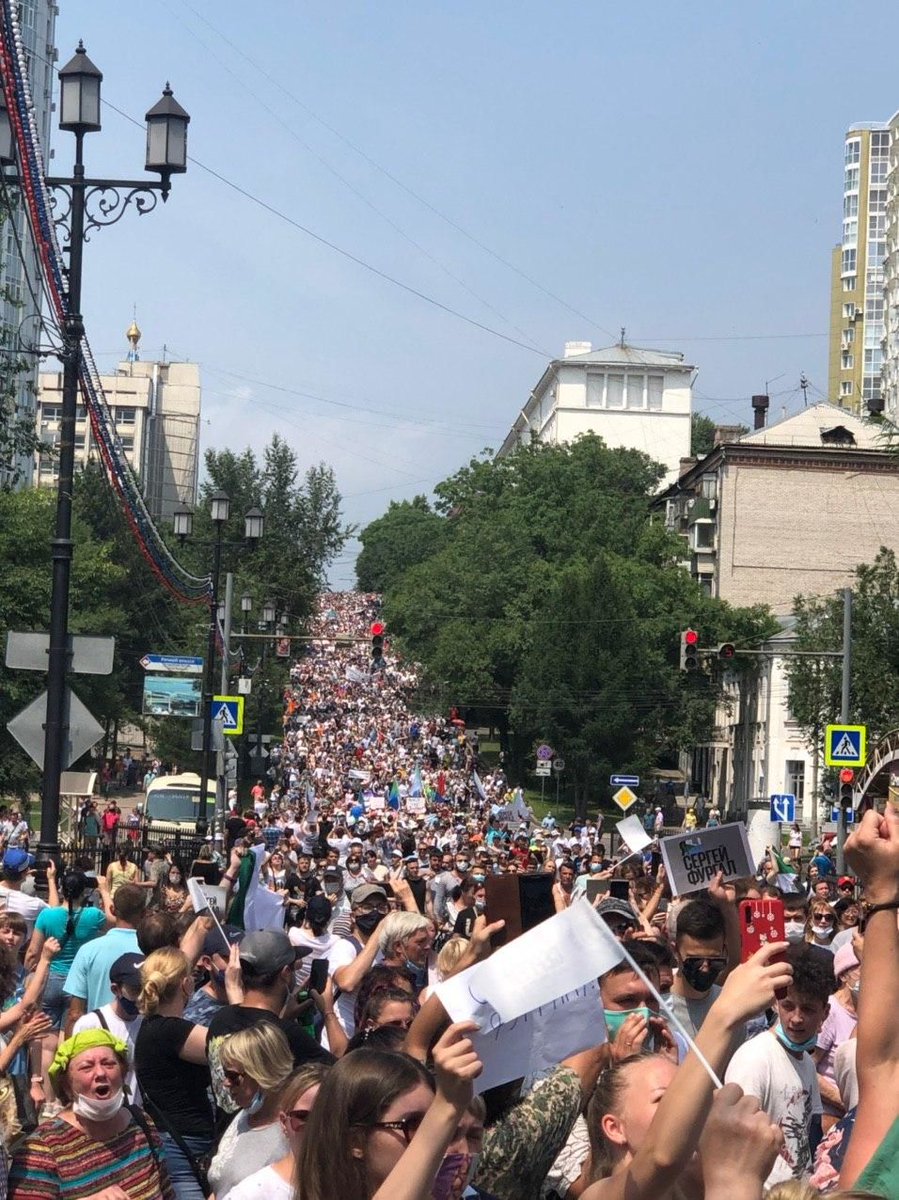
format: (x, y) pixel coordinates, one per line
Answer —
(172, 696)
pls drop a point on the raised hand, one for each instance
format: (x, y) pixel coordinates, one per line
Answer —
(750, 988)
(456, 1065)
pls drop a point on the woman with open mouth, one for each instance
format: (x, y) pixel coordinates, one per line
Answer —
(99, 1147)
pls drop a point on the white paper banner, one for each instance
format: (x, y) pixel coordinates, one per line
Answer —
(632, 833)
(555, 957)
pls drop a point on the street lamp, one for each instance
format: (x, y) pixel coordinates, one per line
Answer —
(79, 113)
(219, 512)
(182, 524)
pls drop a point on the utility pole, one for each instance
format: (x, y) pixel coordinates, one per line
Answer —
(218, 817)
(844, 713)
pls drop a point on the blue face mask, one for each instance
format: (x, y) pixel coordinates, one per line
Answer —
(128, 1007)
(796, 1047)
(615, 1019)
(255, 1104)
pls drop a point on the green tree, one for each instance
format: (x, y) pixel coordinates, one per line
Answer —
(702, 435)
(552, 604)
(408, 533)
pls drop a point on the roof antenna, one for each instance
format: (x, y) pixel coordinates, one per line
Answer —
(803, 383)
(621, 343)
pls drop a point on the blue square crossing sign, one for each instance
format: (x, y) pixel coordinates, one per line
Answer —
(844, 745)
(229, 710)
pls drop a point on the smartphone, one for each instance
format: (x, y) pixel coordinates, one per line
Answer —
(620, 889)
(761, 922)
(318, 975)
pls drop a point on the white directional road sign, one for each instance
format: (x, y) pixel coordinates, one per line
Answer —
(544, 769)
(174, 664)
(783, 808)
(30, 652)
(624, 798)
(844, 745)
(632, 781)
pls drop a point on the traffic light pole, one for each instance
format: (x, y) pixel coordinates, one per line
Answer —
(844, 713)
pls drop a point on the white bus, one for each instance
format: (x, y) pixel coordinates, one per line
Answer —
(173, 803)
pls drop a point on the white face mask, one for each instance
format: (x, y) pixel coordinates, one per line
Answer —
(98, 1110)
(794, 931)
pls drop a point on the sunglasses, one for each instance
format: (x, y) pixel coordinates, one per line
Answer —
(297, 1118)
(231, 1076)
(408, 1127)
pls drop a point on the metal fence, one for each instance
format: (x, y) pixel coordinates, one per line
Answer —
(97, 853)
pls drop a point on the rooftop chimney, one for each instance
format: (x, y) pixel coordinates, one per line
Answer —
(573, 349)
(760, 411)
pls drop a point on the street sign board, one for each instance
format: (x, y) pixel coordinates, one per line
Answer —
(82, 732)
(624, 798)
(544, 753)
(30, 652)
(783, 808)
(172, 695)
(559, 764)
(228, 710)
(216, 742)
(844, 745)
(835, 816)
(244, 685)
(632, 781)
(172, 664)
(544, 769)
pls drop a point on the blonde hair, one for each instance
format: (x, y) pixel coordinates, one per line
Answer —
(448, 958)
(161, 974)
(262, 1052)
(794, 1189)
(309, 1075)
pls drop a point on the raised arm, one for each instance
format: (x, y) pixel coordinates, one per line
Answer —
(873, 853)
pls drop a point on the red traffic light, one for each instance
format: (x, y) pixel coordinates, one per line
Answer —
(377, 628)
(691, 637)
(847, 775)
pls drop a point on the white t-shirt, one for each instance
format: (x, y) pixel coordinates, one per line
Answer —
(786, 1087)
(342, 953)
(28, 907)
(125, 1031)
(320, 946)
(266, 1184)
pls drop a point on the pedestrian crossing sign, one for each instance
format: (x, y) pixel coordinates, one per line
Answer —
(229, 710)
(845, 745)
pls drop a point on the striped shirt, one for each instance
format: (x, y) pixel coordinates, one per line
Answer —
(60, 1161)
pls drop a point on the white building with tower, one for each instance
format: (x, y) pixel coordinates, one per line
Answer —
(632, 398)
(156, 407)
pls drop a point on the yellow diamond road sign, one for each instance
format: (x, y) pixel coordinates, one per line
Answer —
(624, 798)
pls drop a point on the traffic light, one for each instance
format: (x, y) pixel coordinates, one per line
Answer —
(847, 791)
(689, 650)
(727, 650)
(377, 641)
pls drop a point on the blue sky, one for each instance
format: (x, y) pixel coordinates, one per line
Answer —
(673, 169)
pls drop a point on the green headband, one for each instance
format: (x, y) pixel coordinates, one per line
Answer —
(88, 1039)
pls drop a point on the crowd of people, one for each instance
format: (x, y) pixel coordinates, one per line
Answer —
(286, 1038)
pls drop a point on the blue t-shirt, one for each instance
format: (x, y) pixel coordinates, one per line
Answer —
(52, 922)
(88, 977)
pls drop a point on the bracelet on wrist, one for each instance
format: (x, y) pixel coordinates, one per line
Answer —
(37, 1079)
(869, 910)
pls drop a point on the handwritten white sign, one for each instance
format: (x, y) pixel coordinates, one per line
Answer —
(555, 957)
(692, 860)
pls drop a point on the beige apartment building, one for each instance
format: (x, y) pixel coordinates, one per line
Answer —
(156, 408)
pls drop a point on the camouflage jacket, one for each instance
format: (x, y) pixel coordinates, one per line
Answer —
(520, 1149)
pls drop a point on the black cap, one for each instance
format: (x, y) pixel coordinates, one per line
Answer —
(126, 970)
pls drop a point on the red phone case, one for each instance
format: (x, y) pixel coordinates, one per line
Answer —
(761, 922)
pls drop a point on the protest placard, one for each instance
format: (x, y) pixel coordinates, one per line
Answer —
(536, 1041)
(555, 957)
(375, 803)
(632, 833)
(208, 898)
(416, 805)
(692, 860)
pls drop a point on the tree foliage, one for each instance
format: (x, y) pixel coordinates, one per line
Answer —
(552, 604)
(407, 534)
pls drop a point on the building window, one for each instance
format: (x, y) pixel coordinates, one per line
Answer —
(850, 283)
(846, 387)
(853, 152)
(655, 387)
(847, 361)
(704, 535)
(50, 412)
(124, 416)
(879, 168)
(848, 262)
(848, 311)
(850, 205)
(850, 232)
(848, 336)
(614, 391)
(877, 200)
(880, 143)
(794, 774)
(127, 444)
(850, 183)
(81, 413)
(635, 391)
(594, 390)
(79, 441)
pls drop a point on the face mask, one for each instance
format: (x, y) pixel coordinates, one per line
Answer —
(174, 879)
(479, 906)
(218, 978)
(595, 867)
(451, 1177)
(615, 1019)
(354, 867)
(700, 977)
(854, 990)
(128, 1007)
(98, 1110)
(794, 931)
(463, 867)
(822, 932)
(472, 1169)
(796, 1047)
(368, 922)
(255, 1104)
(479, 878)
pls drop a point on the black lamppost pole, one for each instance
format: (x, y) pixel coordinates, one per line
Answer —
(167, 122)
(268, 619)
(182, 523)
